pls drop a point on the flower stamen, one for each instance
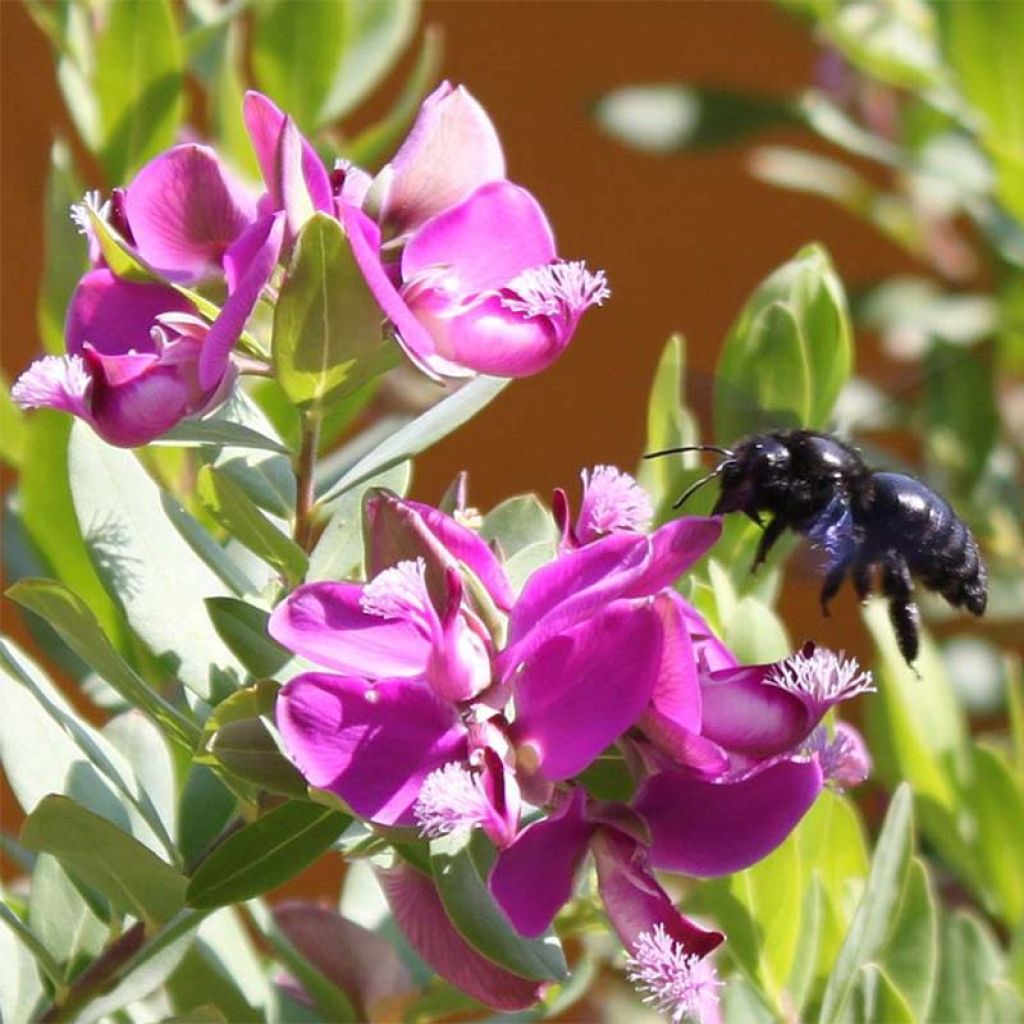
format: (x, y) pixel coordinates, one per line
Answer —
(400, 592)
(450, 801)
(822, 675)
(565, 288)
(612, 500)
(678, 984)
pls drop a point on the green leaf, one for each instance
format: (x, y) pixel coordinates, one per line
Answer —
(47, 748)
(204, 809)
(670, 118)
(459, 872)
(376, 33)
(878, 998)
(13, 428)
(287, 36)
(789, 352)
(338, 554)
(670, 424)
(237, 513)
(133, 878)
(911, 955)
(146, 563)
(65, 924)
(327, 338)
(48, 516)
(79, 629)
(265, 854)
(21, 987)
(138, 84)
(221, 432)
(423, 432)
(997, 801)
(67, 257)
(882, 894)
(971, 961)
(32, 944)
(247, 749)
(243, 627)
(983, 42)
(375, 144)
(518, 523)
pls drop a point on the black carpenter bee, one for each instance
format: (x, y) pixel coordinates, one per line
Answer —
(818, 486)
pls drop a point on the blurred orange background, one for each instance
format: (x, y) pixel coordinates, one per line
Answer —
(683, 239)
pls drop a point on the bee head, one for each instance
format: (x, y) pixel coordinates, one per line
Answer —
(757, 467)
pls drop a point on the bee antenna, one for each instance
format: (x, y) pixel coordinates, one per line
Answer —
(689, 448)
(694, 487)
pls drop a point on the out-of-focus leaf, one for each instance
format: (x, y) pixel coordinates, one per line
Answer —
(141, 744)
(265, 854)
(62, 920)
(996, 800)
(48, 516)
(754, 633)
(800, 981)
(426, 430)
(371, 146)
(743, 1004)
(237, 513)
(873, 920)
(876, 997)
(78, 628)
(338, 554)
(962, 418)
(228, 93)
(517, 523)
(138, 84)
(527, 560)
(376, 33)
(833, 123)
(669, 118)
(895, 42)
(13, 428)
(983, 43)
(789, 351)
(457, 870)
(156, 575)
(971, 961)
(332, 1003)
(327, 325)
(243, 627)
(911, 955)
(670, 424)
(310, 36)
(133, 878)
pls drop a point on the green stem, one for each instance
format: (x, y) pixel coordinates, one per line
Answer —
(305, 471)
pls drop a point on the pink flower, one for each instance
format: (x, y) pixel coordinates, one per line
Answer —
(135, 352)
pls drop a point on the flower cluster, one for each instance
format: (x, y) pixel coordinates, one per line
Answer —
(453, 703)
(460, 262)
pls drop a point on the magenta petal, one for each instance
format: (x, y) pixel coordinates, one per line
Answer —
(708, 829)
(468, 547)
(484, 242)
(451, 149)
(264, 121)
(674, 548)
(573, 586)
(325, 623)
(116, 316)
(360, 962)
(533, 879)
(364, 239)
(677, 695)
(185, 208)
(712, 654)
(581, 689)
(635, 902)
(748, 716)
(371, 744)
(419, 913)
(263, 246)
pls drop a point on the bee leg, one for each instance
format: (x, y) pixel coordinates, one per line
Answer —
(833, 581)
(903, 613)
(772, 532)
(862, 580)
(755, 517)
